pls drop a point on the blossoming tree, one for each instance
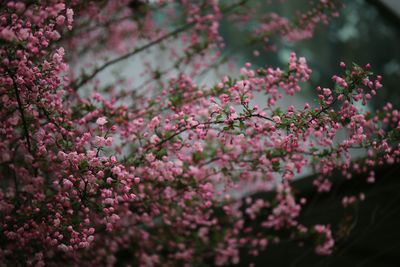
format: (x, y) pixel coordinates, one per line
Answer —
(153, 169)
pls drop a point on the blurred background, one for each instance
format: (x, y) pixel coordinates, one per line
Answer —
(367, 31)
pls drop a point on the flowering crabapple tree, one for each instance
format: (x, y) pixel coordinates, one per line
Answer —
(155, 170)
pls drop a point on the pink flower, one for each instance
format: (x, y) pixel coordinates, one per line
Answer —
(154, 123)
(154, 139)
(276, 119)
(67, 184)
(99, 141)
(108, 141)
(101, 121)
(7, 34)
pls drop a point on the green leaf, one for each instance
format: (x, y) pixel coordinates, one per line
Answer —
(276, 165)
(161, 153)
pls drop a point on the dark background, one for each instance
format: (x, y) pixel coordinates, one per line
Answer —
(366, 32)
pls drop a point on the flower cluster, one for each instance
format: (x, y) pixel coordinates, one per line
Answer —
(156, 178)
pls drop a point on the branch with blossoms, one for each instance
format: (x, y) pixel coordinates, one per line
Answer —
(159, 176)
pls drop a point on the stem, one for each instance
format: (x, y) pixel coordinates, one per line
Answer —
(322, 110)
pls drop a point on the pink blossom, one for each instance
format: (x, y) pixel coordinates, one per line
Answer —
(101, 121)
(181, 158)
(276, 119)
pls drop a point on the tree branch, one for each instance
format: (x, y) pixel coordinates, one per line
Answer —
(126, 56)
(22, 113)
(77, 84)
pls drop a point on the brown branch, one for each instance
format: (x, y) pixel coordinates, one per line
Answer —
(77, 84)
(22, 113)
(126, 56)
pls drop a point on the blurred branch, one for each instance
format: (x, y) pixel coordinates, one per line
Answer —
(86, 78)
(22, 113)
